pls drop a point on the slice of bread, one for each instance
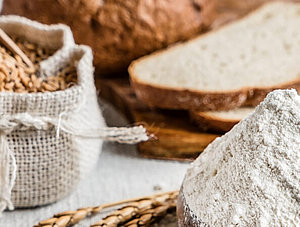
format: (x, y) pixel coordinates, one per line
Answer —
(235, 65)
(220, 121)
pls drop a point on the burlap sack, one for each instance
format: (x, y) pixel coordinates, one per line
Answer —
(49, 141)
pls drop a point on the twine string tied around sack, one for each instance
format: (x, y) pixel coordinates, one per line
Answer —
(25, 121)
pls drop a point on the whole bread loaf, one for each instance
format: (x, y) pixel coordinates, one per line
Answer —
(120, 31)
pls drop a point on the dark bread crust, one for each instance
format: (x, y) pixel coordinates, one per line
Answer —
(169, 98)
(206, 122)
(120, 31)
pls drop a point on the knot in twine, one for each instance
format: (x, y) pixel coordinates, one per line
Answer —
(25, 121)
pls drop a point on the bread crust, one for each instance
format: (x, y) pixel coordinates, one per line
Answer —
(171, 98)
(208, 123)
(120, 31)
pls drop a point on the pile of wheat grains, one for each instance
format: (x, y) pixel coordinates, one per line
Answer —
(16, 76)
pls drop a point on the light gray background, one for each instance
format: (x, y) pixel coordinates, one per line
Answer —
(120, 174)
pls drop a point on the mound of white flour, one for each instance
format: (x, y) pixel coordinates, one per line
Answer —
(251, 175)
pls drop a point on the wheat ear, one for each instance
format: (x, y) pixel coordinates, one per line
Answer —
(140, 212)
(69, 218)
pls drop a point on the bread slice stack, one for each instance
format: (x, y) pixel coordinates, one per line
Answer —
(226, 69)
(220, 121)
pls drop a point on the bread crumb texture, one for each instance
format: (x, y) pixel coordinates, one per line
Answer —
(259, 51)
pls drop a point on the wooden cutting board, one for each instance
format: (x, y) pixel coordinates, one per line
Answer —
(176, 138)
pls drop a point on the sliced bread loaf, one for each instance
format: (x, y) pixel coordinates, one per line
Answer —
(220, 121)
(235, 65)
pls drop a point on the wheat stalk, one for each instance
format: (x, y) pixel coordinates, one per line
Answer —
(150, 216)
(141, 212)
(69, 218)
